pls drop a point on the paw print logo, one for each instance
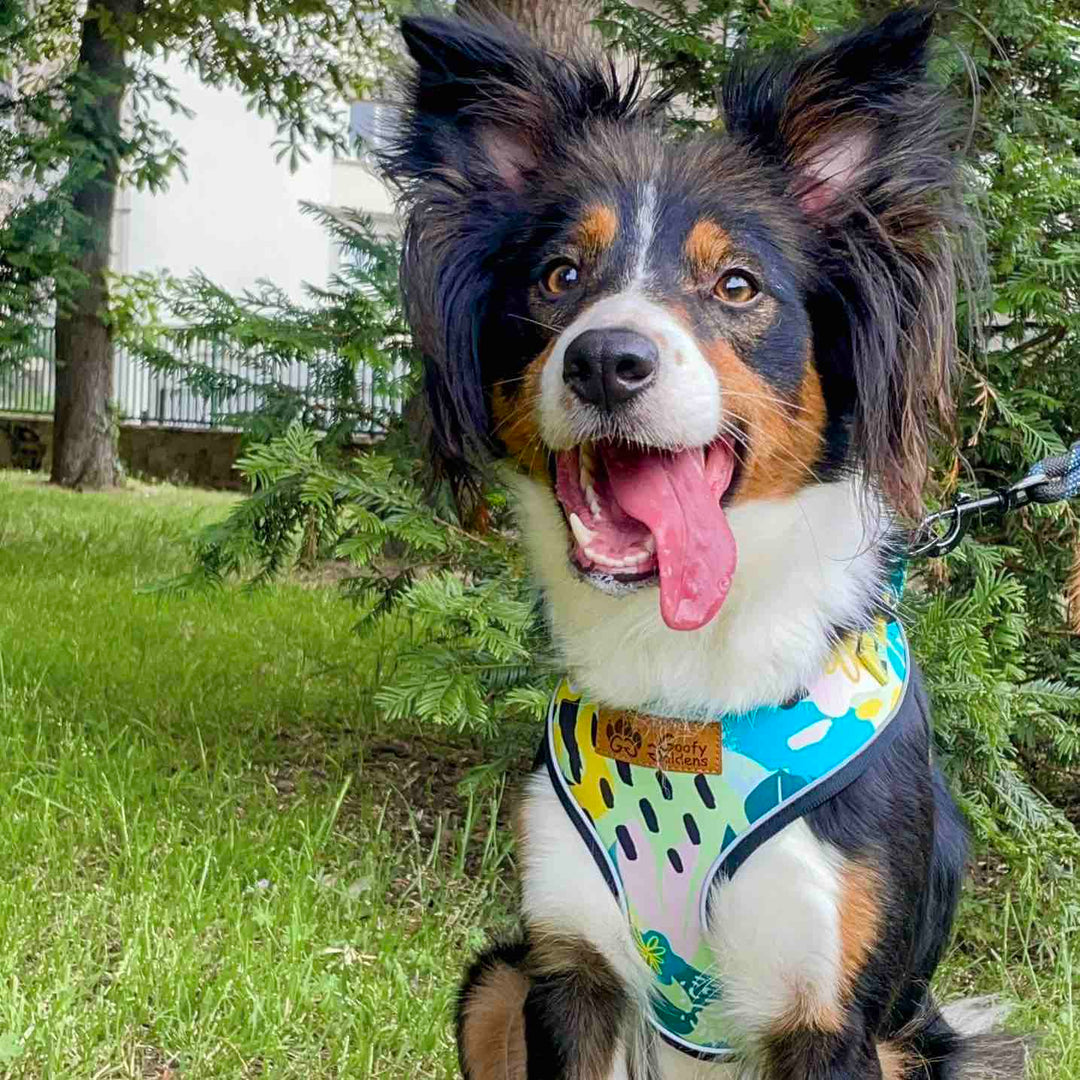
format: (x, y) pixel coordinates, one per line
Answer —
(623, 738)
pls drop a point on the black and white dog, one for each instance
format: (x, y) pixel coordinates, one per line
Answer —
(710, 366)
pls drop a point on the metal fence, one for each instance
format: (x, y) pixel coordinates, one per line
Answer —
(146, 395)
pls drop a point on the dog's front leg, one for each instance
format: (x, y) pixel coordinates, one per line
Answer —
(577, 1015)
(549, 1010)
(491, 1015)
(793, 933)
(561, 1004)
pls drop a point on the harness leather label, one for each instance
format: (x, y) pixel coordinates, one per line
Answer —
(669, 745)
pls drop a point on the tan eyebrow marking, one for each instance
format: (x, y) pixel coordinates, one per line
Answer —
(597, 228)
(706, 247)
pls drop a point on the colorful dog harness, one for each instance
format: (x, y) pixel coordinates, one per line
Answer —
(667, 806)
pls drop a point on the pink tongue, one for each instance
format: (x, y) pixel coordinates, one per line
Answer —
(678, 498)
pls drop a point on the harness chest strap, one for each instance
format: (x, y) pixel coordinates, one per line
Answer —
(666, 805)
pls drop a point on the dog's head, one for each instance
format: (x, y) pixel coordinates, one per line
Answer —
(658, 330)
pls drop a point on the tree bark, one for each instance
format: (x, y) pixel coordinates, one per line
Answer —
(84, 444)
(563, 26)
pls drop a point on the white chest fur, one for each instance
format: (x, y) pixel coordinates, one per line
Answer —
(775, 926)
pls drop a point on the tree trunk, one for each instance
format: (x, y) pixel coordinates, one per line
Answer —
(562, 26)
(84, 446)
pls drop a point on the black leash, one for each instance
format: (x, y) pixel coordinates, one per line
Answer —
(1049, 481)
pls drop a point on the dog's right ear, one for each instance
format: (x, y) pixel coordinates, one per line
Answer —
(476, 108)
(484, 110)
(468, 135)
(487, 103)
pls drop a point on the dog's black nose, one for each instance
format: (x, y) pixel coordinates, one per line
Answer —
(608, 367)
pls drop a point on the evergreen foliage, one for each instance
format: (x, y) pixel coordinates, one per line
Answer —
(462, 600)
(84, 106)
(349, 338)
(474, 644)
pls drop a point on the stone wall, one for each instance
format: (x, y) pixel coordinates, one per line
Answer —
(183, 455)
(187, 456)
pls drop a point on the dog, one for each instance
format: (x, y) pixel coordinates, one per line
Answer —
(710, 367)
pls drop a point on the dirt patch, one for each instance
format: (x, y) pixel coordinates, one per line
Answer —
(154, 1064)
(330, 572)
(419, 780)
(425, 785)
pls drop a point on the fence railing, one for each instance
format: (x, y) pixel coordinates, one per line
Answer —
(147, 395)
(28, 385)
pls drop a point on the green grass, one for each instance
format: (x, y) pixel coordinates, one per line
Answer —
(214, 862)
(209, 854)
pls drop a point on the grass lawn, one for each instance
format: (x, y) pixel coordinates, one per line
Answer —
(214, 860)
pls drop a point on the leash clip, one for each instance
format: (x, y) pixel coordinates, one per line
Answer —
(956, 518)
(1049, 481)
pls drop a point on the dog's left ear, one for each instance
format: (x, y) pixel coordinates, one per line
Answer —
(866, 144)
(828, 115)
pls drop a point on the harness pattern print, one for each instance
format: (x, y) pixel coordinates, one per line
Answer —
(662, 836)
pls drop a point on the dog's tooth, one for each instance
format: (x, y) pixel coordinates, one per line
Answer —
(604, 560)
(585, 473)
(587, 478)
(593, 501)
(608, 563)
(650, 545)
(585, 458)
(582, 534)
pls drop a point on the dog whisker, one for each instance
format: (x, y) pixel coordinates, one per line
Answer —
(536, 322)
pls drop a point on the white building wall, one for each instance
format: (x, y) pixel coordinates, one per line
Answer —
(237, 216)
(352, 183)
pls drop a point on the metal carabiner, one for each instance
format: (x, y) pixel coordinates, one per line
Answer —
(936, 546)
(965, 506)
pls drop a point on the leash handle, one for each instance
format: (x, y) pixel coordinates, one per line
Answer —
(1060, 477)
(1051, 480)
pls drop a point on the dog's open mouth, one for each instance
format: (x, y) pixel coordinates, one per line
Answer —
(640, 516)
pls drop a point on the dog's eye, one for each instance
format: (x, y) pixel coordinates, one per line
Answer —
(737, 287)
(559, 277)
